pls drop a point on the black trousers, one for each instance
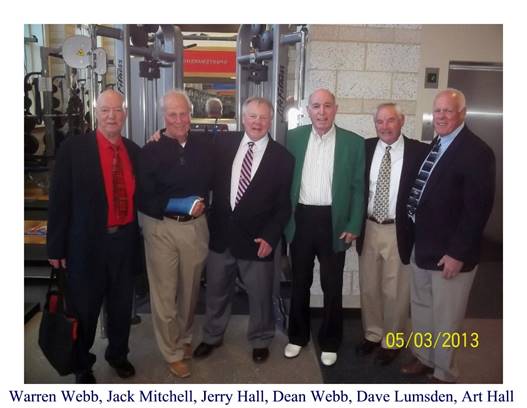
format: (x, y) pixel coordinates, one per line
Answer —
(110, 278)
(313, 237)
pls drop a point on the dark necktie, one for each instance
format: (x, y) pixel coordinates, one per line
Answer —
(381, 201)
(422, 178)
(120, 199)
(245, 174)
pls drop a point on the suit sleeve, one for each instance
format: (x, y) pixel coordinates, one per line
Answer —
(356, 214)
(478, 198)
(59, 211)
(282, 208)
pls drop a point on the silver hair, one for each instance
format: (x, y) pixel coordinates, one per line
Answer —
(457, 94)
(175, 93)
(213, 106)
(259, 101)
(392, 105)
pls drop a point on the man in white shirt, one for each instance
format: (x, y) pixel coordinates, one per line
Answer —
(392, 161)
(250, 208)
(327, 196)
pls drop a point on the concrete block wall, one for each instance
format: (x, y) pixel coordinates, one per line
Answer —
(363, 65)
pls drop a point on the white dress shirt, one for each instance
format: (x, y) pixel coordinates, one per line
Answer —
(258, 152)
(396, 154)
(317, 173)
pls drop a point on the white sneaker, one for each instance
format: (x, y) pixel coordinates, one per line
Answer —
(327, 358)
(292, 350)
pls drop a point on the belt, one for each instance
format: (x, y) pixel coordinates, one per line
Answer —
(385, 222)
(180, 218)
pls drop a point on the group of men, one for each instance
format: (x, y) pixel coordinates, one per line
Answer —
(402, 200)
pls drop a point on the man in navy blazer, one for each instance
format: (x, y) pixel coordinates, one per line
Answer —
(449, 205)
(386, 243)
(89, 235)
(250, 209)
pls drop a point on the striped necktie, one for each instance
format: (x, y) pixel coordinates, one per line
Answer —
(381, 201)
(422, 178)
(245, 174)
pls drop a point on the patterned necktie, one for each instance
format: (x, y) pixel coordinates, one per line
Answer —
(422, 178)
(381, 201)
(120, 199)
(245, 174)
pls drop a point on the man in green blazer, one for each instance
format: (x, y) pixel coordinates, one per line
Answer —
(327, 195)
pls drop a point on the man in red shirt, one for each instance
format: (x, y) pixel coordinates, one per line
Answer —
(92, 230)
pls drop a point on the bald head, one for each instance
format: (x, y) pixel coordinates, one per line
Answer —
(449, 111)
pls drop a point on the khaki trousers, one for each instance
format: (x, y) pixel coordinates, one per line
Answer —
(175, 257)
(384, 284)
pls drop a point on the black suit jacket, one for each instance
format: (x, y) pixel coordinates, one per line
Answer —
(78, 209)
(456, 203)
(413, 155)
(264, 209)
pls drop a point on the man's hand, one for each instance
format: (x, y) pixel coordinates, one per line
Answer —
(155, 137)
(198, 209)
(348, 237)
(264, 249)
(451, 266)
(57, 263)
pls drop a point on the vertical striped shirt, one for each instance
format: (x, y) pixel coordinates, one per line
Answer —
(317, 173)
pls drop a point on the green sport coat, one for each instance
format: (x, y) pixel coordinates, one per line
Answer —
(347, 188)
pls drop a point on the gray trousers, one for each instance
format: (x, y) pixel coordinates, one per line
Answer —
(438, 305)
(258, 277)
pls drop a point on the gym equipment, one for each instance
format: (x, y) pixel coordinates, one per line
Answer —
(262, 55)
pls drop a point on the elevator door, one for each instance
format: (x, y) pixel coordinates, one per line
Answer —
(482, 84)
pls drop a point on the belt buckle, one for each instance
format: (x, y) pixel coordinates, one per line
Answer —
(112, 230)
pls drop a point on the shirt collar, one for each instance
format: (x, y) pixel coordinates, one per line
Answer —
(326, 136)
(451, 136)
(260, 144)
(398, 144)
(105, 142)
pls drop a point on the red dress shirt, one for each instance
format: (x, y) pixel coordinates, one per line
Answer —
(106, 156)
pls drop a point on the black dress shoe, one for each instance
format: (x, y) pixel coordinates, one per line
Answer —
(123, 368)
(204, 349)
(85, 377)
(260, 354)
(386, 356)
(366, 347)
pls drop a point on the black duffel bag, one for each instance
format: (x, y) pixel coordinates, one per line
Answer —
(57, 335)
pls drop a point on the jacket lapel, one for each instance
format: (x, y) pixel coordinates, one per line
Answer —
(445, 162)
(259, 176)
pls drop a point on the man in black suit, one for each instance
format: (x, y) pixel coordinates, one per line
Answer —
(392, 161)
(92, 229)
(449, 204)
(250, 209)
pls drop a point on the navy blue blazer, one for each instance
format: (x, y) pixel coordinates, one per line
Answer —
(456, 204)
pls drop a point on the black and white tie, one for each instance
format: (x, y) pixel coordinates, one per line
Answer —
(381, 201)
(422, 178)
